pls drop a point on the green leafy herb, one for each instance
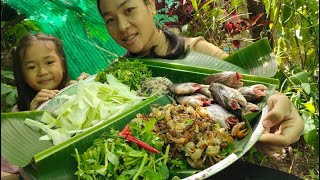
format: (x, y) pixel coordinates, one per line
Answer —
(131, 73)
(112, 157)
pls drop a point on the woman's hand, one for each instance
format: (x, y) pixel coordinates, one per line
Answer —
(82, 76)
(283, 125)
(43, 96)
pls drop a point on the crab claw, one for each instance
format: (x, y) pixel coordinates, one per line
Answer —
(242, 133)
(239, 130)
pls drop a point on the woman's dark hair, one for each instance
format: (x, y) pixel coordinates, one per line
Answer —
(176, 42)
(98, 5)
(25, 92)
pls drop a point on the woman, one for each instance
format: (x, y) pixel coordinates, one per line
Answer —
(130, 23)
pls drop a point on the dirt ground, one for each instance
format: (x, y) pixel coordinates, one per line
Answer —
(298, 159)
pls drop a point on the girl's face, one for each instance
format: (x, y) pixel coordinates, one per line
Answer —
(41, 66)
(130, 23)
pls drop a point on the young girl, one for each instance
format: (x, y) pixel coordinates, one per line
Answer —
(40, 70)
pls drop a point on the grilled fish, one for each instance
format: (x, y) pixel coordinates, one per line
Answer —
(228, 78)
(185, 88)
(224, 118)
(250, 107)
(253, 93)
(228, 98)
(205, 90)
(194, 100)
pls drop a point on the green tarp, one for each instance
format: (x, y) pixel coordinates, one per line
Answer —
(78, 24)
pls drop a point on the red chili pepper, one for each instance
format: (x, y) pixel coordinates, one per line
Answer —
(142, 144)
(125, 131)
(128, 135)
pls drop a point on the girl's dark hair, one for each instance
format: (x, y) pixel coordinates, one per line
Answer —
(25, 92)
(176, 42)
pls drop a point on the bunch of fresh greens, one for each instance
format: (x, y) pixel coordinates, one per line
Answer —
(111, 157)
(131, 73)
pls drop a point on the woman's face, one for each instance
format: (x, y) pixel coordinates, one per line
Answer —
(41, 66)
(130, 23)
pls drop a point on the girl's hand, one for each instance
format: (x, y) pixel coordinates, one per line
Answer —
(83, 75)
(283, 125)
(43, 96)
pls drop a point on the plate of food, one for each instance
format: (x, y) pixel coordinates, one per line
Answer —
(199, 135)
(186, 149)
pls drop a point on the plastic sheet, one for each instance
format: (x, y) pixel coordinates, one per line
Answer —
(81, 28)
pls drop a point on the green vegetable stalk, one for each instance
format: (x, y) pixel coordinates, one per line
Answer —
(112, 157)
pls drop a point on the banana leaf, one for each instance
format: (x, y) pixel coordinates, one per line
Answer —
(179, 76)
(58, 162)
(19, 142)
(48, 161)
(195, 62)
(258, 59)
(51, 162)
